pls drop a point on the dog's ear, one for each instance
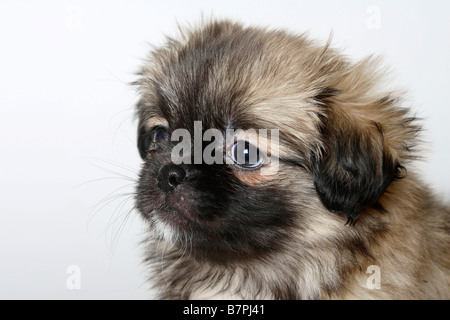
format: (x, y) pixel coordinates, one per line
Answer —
(354, 166)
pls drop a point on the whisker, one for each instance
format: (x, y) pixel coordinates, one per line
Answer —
(116, 77)
(132, 141)
(112, 172)
(124, 218)
(118, 212)
(115, 216)
(107, 200)
(103, 179)
(119, 197)
(117, 164)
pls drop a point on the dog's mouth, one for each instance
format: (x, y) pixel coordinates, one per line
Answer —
(174, 209)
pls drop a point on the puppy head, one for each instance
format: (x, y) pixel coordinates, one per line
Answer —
(340, 141)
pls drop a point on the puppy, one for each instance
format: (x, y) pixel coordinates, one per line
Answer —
(330, 211)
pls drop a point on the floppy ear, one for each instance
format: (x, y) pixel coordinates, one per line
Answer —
(355, 165)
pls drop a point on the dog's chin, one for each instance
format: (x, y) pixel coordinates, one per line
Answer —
(176, 219)
(170, 224)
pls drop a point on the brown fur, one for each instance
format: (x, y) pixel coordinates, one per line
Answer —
(345, 147)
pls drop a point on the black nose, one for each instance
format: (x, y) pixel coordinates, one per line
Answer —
(170, 176)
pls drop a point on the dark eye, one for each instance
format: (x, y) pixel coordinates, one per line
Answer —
(246, 155)
(150, 140)
(158, 134)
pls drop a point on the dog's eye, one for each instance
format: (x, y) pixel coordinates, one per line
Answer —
(157, 135)
(246, 155)
(150, 140)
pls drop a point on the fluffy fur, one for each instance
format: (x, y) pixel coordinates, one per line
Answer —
(343, 199)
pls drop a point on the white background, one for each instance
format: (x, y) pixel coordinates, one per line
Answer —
(68, 156)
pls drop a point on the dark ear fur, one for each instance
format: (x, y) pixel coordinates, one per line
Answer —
(355, 166)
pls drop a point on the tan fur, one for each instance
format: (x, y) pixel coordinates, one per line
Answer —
(405, 231)
(156, 121)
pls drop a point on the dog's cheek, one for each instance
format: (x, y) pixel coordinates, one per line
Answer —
(146, 187)
(254, 178)
(255, 221)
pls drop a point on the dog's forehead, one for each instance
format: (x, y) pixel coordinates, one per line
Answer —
(235, 78)
(204, 85)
